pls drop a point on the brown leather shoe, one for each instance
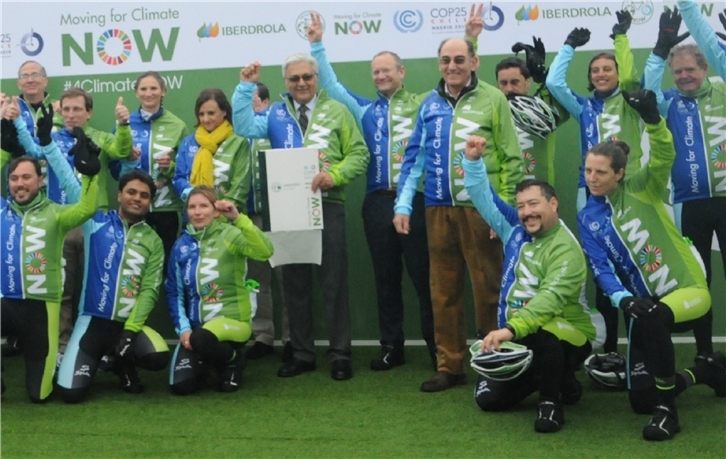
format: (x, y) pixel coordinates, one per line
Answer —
(442, 381)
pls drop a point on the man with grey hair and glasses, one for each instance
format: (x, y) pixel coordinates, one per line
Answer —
(308, 118)
(32, 81)
(695, 114)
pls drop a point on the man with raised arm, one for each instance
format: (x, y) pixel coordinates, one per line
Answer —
(309, 118)
(458, 237)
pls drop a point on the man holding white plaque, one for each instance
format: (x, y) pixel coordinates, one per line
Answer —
(308, 118)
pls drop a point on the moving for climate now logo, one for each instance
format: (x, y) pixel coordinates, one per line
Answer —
(114, 46)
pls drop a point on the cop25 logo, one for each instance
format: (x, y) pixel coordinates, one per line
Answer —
(114, 46)
(408, 20)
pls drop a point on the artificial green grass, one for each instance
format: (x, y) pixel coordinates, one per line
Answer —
(372, 415)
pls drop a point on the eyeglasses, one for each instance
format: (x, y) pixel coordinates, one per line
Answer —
(35, 76)
(305, 77)
(458, 60)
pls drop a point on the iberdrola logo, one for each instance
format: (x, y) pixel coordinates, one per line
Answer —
(208, 31)
(527, 14)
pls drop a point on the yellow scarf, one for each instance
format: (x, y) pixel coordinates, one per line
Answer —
(203, 168)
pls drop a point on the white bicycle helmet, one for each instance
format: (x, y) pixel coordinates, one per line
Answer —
(533, 115)
(607, 371)
(503, 365)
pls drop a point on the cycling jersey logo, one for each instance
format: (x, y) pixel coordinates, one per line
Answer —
(324, 161)
(457, 164)
(36, 262)
(718, 156)
(399, 146)
(529, 162)
(130, 286)
(211, 293)
(651, 258)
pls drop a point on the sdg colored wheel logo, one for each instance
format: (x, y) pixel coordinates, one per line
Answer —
(114, 47)
(31, 43)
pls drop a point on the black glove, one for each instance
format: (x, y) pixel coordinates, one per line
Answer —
(645, 103)
(637, 307)
(45, 125)
(578, 37)
(9, 139)
(670, 22)
(722, 17)
(624, 21)
(123, 347)
(85, 154)
(535, 59)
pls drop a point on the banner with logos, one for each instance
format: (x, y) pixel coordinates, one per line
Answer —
(96, 38)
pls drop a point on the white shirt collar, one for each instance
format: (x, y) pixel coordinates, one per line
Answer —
(310, 105)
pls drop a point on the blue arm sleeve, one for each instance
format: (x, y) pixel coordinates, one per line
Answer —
(127, 166)
(602, 270)
(246, 124)
(183, 170)
(26, 140)
(413, 167)
(503, 217)
(174, 287)
(557, 83)
(653, 80)
(66, 175)
(329, 82)
(704, 35)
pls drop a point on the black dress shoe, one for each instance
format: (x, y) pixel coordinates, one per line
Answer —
(259, 350)
(294, 368)
(340, 370)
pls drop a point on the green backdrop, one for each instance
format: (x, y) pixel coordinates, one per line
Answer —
(421, 75)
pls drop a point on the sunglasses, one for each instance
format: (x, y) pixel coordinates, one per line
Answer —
(306, 77)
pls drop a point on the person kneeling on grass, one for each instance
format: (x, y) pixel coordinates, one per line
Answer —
(541, 302)
(208, 299)
(648, 270)
(123, 267)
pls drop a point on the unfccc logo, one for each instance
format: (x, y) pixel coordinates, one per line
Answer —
(303, 21)
(493, 17)
(408, 20)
